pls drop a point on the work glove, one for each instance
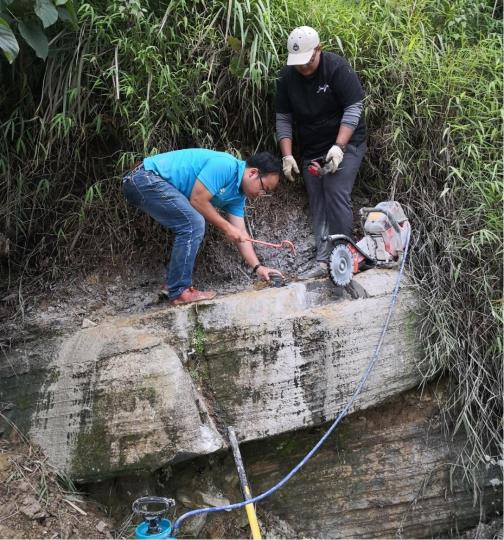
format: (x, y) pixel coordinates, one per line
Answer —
(288, 165)
(334, 158)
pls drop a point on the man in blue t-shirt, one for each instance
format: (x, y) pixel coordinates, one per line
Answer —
(183, 189)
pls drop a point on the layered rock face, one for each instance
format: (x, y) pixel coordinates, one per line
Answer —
(156, 391)
(144, 391)
(383, 473)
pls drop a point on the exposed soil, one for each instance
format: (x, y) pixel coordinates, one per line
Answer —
(130, 282)
(92, 290)
(36, 503)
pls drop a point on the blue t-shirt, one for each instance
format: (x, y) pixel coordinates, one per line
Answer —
(219, 172)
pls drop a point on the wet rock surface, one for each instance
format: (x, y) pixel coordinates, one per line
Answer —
(383, 473)
(141, 391)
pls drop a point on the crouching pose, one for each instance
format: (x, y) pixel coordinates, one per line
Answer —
(182, 189)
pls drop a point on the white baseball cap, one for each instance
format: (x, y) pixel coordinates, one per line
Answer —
(301, 44)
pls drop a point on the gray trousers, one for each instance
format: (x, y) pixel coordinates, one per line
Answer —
(330, 198)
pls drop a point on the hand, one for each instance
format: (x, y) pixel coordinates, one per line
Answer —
(263, 273)
(334, 158)
(235, 235)
(288, 165)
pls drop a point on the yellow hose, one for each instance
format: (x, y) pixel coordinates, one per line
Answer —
(251, 515)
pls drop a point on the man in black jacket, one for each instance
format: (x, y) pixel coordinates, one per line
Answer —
(320, 95)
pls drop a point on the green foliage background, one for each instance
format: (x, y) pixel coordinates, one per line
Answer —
(29, 19)
(139, 77)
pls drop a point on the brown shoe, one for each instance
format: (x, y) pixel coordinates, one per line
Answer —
(192, 295)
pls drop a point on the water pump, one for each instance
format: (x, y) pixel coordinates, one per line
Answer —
(153, 526)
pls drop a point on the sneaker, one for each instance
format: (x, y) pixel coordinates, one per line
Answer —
(192, 295)
(318, 270)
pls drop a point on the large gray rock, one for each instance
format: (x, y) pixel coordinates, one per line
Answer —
(122, 399)
(143, 391)
(383, 473)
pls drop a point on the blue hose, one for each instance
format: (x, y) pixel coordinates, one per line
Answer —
(340, 416)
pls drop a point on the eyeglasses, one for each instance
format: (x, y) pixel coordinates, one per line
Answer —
(265, 192)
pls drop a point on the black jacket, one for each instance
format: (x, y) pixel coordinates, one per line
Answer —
(317, 103)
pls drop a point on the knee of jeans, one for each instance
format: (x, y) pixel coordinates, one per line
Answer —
(198, 226)
(195, 227)
(342, 198)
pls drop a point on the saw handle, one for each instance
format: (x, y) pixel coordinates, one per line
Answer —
(364, 212)
(319, 166)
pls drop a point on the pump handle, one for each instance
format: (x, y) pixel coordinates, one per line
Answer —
(141, 504)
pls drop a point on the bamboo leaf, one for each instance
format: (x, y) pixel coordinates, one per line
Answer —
(234, 43)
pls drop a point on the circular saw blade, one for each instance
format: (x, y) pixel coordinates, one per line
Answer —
(341, 265)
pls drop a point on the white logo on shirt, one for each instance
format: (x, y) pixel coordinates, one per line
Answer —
(222, 190)
(323, 89)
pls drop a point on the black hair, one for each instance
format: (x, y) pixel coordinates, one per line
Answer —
(266, 163)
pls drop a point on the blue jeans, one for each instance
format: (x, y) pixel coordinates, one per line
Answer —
(162, 201)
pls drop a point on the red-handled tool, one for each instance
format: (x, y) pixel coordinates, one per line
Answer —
(319, 166)
(284, 243)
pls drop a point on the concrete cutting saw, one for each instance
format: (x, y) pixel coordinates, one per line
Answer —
(386, 230)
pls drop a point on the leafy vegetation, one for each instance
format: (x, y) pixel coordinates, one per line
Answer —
(31, 19)
(137, 77)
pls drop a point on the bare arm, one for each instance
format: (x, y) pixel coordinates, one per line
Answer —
(286, 146)
(200, 200)
(245, 248)
(247, 251)
(344, 134)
